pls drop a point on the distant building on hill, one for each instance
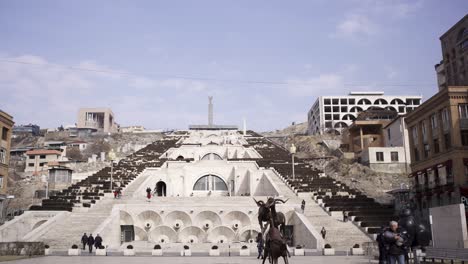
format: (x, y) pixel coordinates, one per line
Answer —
(335, 113)
(33, 130)
(101, 119)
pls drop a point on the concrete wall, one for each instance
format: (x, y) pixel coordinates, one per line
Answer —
(304, 232)
(448, 224)
(369, 157)
(23, 226)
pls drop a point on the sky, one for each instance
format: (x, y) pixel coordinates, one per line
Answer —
(154, 63)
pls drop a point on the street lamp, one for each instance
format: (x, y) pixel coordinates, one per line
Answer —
(292, 149)
(45, 179)
(111, 156)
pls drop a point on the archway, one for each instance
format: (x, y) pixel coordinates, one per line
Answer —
(161, 188)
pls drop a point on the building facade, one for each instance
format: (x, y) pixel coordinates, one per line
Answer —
(453, 69)
(6, 125)
(438, 136)
(36, 160)
(101, 119)
(334, 113)
(33, 130)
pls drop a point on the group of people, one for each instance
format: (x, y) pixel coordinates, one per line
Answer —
(393, 245)
(91, 241)
(118, 193)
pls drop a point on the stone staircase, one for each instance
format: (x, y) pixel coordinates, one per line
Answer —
(340, 235)
(69, 231)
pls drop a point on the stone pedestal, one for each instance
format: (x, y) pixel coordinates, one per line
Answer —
(357, 251)
(244, 252)
(299, 252)
(101, 252)
(74, 252)
(214, 252)
(129, 252)
(328, 251)
(157, 252)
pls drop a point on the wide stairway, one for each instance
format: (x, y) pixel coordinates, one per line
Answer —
(340, 235)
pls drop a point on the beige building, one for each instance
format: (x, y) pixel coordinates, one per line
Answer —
(36, 160)
(438, 136)
(6, 125)
(453, 69)
(100, 119)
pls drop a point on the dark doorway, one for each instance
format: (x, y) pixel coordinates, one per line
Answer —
(161, 188)
(180, 158)
(127, 233)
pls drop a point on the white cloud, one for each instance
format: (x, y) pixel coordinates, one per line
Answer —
(355, 25)
(315, 86)
(368, 17)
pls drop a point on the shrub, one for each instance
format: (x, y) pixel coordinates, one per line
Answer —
(328, 246)
(186, 247)
(356, 246)
(214, 247)
(157, 247)
(46, 246)
(101, 247)
(129, 247)
(298, 247)
(244, 247)
(74, 247)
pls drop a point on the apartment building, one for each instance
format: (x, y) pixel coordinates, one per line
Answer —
(37, 159)
(6, 125)
(334, 113)
(438, 136)
(453, 69)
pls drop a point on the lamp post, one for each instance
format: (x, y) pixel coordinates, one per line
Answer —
(45, 179)
(111, 156)
(293, 151)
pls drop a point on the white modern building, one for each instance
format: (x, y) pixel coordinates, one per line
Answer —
(333, 113)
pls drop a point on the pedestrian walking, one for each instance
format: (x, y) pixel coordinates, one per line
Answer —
(260, 245)
(84, 241)
(148, 193)
(90, 243)
(394, 241)
(345, 216)
(323, 232)
(98, 241)
(303, 206)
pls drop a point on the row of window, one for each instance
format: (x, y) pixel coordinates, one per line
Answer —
(379, 156)
(41, 164)
(364, 101)
(357, 109)
(34, 156)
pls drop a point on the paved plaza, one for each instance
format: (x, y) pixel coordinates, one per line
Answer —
(188, 260)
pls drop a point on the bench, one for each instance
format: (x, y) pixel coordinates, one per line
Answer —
(452, 254)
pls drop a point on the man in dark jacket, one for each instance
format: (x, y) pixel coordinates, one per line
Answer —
(84, 240)
(90, 243)
(394, 244)
(98, 241)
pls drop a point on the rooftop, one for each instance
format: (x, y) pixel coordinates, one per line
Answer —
(43, 152)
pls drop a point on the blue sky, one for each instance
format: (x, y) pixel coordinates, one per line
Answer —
(155, 62)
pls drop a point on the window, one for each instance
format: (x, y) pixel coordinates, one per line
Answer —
(336, 117)
(343, 101)
(210, 183)
(463, 110)
(416, 154)
(336, 109)
(426, 150)
(327, 109)
(30, 164)
(447, 141)
(1, 182)
(379, 156)
(401, 109)
(3, 156)
(328, 117)
(389, 135)
(414, 133)
(394, 156)
(4, 133)
(328, 125)
(445, 119)
(344, 109)
(352, 101)
(436, 145)
(41, 164)
(211, 156)
(31, 156)
(434, 123)
(335, 101)
(42, 156)
(424, 131)
(464, 137)
(326, 101)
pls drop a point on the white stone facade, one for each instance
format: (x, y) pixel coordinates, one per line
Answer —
(330, 113)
